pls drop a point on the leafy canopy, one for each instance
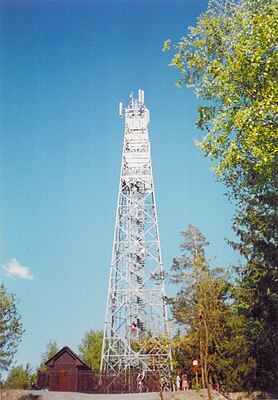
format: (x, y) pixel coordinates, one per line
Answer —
(51, 350)
(230, 58)
(11, 328)
(90, 349)
(20, 377)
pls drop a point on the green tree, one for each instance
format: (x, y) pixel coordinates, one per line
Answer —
(203, 306)
(90, 349)
(184, 350)
(230, 58)
(11, 328)
(19, 377)
(51, 350)
(257, 297)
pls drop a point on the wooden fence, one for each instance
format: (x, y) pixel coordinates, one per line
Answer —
(92, 382)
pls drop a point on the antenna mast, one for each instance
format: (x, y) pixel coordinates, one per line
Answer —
(136, 325)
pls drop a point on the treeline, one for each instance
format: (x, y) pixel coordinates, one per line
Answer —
(230, 59)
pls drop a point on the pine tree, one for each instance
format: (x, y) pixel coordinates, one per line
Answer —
(203, 306)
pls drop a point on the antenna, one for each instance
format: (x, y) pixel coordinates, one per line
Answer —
(121, 109)
(141, 96)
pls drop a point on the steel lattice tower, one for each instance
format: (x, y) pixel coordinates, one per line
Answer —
(135, 331)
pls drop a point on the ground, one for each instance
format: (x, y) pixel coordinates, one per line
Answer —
(186, 395)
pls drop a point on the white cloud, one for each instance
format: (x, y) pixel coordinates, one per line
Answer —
(14, 269)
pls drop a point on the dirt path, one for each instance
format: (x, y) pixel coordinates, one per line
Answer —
(44, 395)
(187, 395)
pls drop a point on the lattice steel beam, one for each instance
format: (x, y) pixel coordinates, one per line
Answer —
(136, 326)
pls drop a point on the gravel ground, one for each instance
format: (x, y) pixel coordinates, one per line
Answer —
(44, 395)
(186, 395)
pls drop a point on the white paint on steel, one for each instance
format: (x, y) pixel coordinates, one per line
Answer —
(136, 326)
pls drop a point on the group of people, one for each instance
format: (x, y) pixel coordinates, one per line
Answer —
(182, 382)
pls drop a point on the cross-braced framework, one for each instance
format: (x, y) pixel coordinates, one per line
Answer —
(136, 332)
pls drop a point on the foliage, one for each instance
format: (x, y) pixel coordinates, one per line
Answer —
(153, 346)
(256, 302)
(203, 307)
(184, 350)
(11, 328)
(51, 350)
(19, 377)
(90, 349)
(257, 299)
(230, 58)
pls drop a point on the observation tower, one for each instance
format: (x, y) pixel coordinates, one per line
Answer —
(136, 326)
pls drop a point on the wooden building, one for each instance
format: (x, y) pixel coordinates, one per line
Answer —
(68, 373)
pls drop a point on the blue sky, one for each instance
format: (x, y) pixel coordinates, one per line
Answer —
(65, 66)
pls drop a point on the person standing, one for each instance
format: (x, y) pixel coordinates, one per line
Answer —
(184, 382)
(140, 381)
(164, 383)
(178, 382)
